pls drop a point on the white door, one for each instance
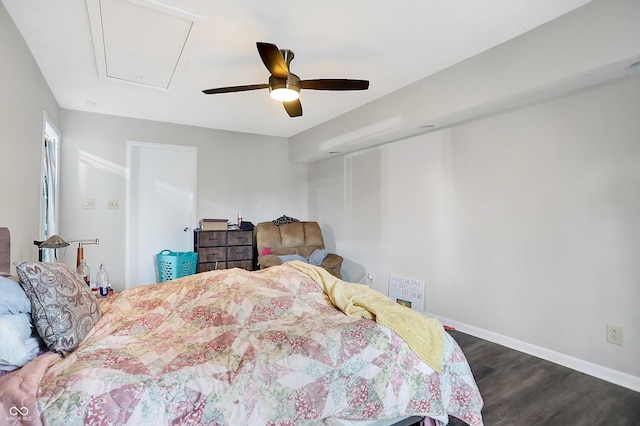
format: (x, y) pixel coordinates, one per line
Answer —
(161, 205)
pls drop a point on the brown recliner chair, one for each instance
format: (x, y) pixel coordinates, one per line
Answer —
(300, 238)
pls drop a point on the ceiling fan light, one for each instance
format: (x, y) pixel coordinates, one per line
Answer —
(284, 94)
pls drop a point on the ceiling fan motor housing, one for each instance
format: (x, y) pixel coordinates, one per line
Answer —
(292, 82)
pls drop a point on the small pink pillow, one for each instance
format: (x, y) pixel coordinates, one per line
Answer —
(265, 251)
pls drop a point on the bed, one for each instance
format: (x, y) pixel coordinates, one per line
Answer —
(287, 345)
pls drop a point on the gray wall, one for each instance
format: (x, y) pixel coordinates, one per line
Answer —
(524, 224)
(237, 172)
(24, 96)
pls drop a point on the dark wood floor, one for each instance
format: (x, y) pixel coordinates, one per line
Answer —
(522, 390)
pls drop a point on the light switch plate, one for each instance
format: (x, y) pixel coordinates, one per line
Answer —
(88, 203)
(113, 204)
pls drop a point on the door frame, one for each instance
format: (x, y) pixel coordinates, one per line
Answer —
(131, 145)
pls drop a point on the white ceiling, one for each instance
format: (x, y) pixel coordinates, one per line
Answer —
(392, 43)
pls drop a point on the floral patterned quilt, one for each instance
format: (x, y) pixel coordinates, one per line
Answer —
(233, 347)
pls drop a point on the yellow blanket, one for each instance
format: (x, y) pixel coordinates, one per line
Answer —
(425, 336)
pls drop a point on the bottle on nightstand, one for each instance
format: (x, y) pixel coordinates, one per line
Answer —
(102, 280)
(84, 272)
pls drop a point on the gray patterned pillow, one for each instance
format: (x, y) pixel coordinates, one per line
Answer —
(284, 219)
(62, 306)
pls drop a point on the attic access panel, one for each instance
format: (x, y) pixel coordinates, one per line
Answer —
(139, 41)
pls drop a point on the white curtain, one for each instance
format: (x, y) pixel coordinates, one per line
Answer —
(49, 195)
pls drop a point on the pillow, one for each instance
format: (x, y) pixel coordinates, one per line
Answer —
(290, 257)
(318, 256)
(265, 251)
(284, 219)
(13, 300)
(14, 331)
(62, 306)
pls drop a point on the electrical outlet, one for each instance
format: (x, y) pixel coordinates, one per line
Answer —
(614, 334)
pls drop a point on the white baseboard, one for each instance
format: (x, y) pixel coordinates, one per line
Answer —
(610, 375)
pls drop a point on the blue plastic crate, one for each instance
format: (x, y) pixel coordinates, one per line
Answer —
(172, 265)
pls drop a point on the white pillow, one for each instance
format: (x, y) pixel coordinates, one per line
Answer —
(14, 331)
(13, 299)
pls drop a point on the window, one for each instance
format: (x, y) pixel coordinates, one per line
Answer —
(49, 184)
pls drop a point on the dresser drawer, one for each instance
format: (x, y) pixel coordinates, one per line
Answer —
(240, 238)
(242, 264)
(210, 266)
(211, 238)
(212, 254)
(239, 252)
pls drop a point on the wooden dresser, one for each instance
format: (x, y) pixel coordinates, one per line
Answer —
(224, 249)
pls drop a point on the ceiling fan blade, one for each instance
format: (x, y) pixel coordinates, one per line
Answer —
(335, 84)
(273, 59)
(236, 88)
(294, 108)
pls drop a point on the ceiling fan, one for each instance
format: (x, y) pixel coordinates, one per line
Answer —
(285, 86)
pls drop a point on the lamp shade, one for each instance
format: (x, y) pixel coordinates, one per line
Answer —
(53, 242)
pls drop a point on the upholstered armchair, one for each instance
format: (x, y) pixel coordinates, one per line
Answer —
(296, 238)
